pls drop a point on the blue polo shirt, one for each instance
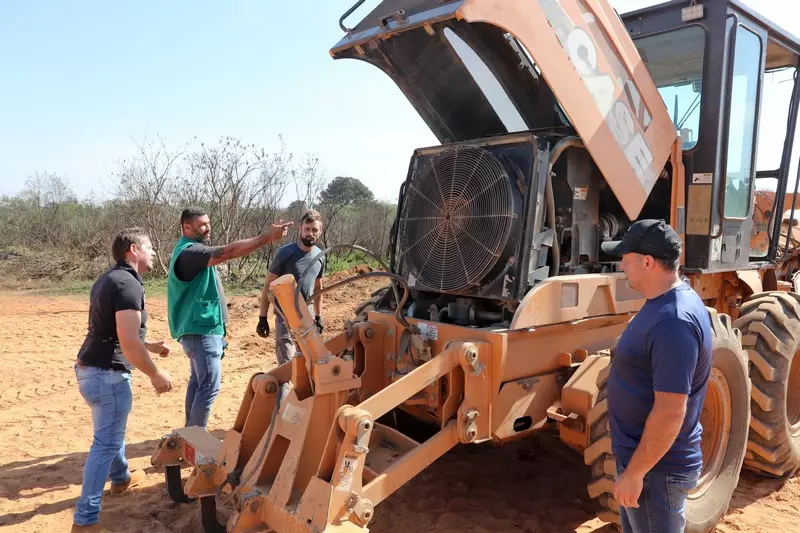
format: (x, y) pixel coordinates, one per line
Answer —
(665, 348)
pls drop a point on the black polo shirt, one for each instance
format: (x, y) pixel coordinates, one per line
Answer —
(118, 289)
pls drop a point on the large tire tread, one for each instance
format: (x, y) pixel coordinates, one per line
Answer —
(770, 323)
(598, 454)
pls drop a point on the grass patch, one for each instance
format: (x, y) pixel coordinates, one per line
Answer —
(338, 263)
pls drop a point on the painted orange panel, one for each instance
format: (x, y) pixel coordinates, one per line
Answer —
(592, 66)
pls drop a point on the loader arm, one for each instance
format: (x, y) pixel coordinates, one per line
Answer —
(311, 472)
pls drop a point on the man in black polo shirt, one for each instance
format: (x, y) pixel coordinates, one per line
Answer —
(113, 347)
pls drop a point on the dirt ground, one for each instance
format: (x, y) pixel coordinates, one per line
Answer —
(45, 431)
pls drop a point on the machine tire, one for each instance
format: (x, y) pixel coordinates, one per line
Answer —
(770, 323)
(728, 394)
(175, 491)
(208, 515)
(598, 454)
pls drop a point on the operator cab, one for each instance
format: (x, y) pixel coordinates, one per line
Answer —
(728, 77)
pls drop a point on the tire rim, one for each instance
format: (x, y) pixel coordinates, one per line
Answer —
(793, 396)
(716, 421)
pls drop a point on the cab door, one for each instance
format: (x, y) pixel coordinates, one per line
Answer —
(736, 162)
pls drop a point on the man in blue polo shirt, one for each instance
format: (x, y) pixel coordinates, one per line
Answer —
(657, 384)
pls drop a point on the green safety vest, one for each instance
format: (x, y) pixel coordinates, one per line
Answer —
(193, 307)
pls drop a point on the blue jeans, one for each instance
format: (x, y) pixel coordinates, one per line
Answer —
(108, 393)
(662, 504)
(205, 356)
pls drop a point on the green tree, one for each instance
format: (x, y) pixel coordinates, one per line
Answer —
(344, 191)
(340, 194)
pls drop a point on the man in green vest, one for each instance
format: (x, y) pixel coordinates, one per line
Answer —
(197, 309)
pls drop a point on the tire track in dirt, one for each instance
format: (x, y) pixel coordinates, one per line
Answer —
(16, 395)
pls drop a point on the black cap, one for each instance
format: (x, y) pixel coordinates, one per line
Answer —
(647, 237)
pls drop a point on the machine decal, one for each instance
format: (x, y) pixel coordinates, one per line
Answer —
(293, 414)
(702, 178)
(699, 210)
(607, 80)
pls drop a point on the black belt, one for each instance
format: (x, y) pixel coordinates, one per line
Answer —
(116, 367)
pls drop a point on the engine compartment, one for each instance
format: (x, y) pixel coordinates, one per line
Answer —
(547, 237)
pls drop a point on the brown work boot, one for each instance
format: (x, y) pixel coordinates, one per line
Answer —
(91, 528)
(137, 476)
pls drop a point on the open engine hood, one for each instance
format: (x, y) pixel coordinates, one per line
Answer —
(476, 68)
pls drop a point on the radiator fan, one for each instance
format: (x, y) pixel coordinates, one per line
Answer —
(458, 219)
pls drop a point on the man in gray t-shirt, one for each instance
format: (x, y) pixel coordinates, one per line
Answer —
(293, 259)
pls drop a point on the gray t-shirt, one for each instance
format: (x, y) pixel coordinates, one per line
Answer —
(194, 259)
(291, 259)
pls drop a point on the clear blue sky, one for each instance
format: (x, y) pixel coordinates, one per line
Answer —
(83, 81)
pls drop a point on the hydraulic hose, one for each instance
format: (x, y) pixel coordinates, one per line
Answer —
(386, 273)
(559, 148)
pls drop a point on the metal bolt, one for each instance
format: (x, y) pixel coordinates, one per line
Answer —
(369, 333)
(336, 370)
(271, 388)
(172, 444)
(390, 333)
(471, 355)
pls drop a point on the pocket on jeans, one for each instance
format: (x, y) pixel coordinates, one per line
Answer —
(187, 342)
(120, 377)
(212, 345)
(89, 387)
(206, 313)
(678, 488)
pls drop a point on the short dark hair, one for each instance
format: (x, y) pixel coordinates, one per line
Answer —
(669, 265)
(124, 240)
(310, 215)
(191, 213)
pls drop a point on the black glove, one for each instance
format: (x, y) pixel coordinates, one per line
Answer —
(263, 327)
(320, 325)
